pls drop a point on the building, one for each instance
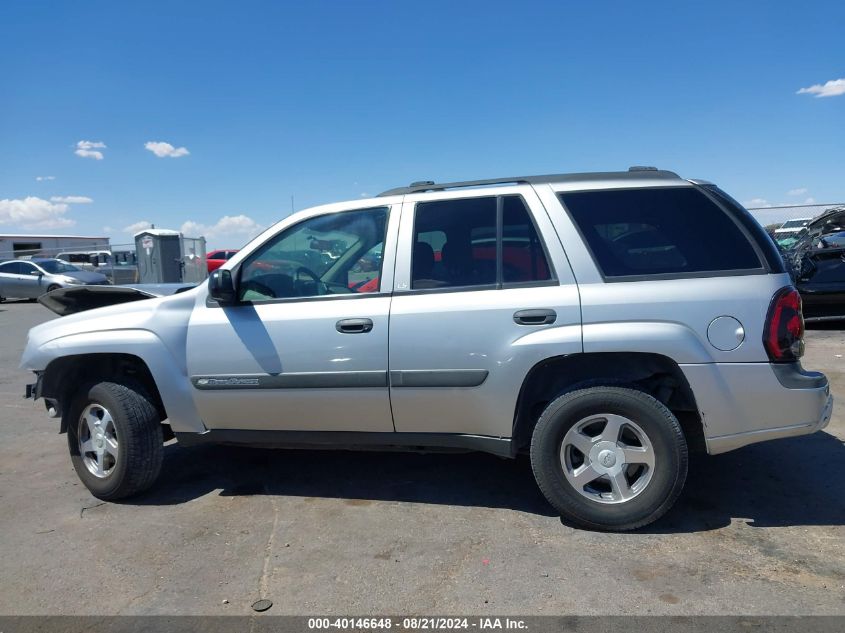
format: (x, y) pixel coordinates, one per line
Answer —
(13, 245)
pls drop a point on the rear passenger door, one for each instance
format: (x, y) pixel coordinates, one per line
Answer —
(483, 292)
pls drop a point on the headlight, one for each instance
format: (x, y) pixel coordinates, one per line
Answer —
(73, 280)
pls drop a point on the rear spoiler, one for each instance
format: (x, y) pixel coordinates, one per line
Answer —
(65, 301)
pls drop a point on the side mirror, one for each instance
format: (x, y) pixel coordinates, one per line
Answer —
(221, 287)
(37, 273)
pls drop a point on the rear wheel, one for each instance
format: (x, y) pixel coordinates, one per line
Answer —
(115, 440)
(609, 458)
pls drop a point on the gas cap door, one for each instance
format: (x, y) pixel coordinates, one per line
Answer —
(725, 333)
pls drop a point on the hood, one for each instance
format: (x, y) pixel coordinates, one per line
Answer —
(86, 276)
(65, 301)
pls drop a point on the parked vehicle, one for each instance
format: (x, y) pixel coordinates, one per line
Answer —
(795, 224)
(788, 234)
(817, 265)
(119, 267)
(579, 318)
(29, 279)
(215, 259)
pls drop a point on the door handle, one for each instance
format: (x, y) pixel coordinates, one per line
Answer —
(354, 326)
(534, 317)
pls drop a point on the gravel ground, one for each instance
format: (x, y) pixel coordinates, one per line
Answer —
(756, 531)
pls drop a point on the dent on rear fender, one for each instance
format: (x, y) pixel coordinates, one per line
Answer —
(673, 340)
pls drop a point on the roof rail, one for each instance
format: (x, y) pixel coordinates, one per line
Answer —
(634, 173)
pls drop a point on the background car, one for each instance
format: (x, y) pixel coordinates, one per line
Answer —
(29, 279)
(817, 266)
(793, 224)
(215, 259)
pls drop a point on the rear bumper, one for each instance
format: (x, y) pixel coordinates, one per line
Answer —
(745, 403)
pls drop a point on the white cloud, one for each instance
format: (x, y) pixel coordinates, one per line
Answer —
(41, 178)
(89, 153)
(108, 229)
(832, 88)
(757, 202)
(34, 213)
(90, 149)
(166, 150)
(229, 226)
(800, 191)
(72, 199)
(810, 200)
(137, 226)
(364, 194)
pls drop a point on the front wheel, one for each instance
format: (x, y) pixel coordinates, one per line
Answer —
(115, 440)
(609, 458)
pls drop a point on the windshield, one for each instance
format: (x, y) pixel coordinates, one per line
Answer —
(56, 266)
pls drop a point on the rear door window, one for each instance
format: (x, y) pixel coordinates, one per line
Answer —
(489, 242)
(659, 231)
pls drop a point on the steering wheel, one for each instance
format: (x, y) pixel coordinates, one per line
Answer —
(320, 285)
(260, 288)
(309, 272)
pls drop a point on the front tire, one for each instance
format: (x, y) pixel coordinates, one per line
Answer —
(609, 458)
(115, 440)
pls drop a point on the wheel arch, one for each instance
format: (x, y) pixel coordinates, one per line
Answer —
(655, 374)
(65, 375)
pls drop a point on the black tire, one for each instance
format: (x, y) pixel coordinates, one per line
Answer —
(53, 287)
(139, 437)
(659, 425)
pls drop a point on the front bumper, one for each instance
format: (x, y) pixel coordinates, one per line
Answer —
(746, 403)
(33, 390)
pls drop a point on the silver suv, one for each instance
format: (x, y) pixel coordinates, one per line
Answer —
(605, 324)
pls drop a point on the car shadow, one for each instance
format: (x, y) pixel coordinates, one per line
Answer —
(788, 482)
(462, 479)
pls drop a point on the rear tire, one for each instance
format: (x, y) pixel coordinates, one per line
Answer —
(609, 458)
(115, 440)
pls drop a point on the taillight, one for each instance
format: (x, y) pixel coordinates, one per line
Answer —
(783, 336)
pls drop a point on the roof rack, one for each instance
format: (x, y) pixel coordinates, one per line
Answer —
(634, 173)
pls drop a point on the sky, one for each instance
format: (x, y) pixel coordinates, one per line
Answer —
(218, 118)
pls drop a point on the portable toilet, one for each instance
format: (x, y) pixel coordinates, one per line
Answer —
(159, 253)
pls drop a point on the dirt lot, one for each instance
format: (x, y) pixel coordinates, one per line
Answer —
(757, 531)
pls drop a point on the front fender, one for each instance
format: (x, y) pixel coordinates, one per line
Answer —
(167, 371)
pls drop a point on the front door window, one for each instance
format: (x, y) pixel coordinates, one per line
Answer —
(324, 255)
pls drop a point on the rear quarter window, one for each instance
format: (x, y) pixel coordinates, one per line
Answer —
(659, 231)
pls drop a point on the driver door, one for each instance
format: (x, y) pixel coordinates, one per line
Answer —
(305, 349)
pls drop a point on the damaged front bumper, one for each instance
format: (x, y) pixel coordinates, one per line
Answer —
(33, 392)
